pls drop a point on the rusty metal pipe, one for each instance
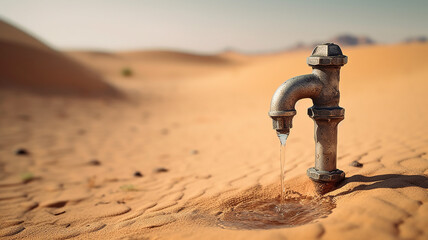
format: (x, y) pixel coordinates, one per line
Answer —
(322, 86)
(285, 97)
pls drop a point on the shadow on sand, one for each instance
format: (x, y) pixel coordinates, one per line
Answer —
(391, 181)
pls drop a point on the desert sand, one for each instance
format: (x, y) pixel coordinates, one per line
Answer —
(196, 130)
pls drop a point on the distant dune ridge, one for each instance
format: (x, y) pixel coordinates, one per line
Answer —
(175, 56)
(28, 64)
(350, 40)
(345, 40)
(157, 64)
(342, 40)
(420, 39)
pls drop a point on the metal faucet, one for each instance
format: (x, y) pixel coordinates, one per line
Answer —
(322, 86)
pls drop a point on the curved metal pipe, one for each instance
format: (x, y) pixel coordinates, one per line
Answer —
(294, 89)
(285, 97)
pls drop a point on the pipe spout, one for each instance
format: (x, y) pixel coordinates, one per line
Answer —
(285, 97)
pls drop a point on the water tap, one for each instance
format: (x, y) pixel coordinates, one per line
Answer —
(322, 86)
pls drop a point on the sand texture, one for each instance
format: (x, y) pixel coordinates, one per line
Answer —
(199, 136)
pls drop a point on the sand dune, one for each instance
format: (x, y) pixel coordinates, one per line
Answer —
(28, 64)
(204, 149)
(9, 33)
(157, 64)
(174, 57)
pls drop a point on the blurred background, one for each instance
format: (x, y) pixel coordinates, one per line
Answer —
(122, 116)
(215, 26)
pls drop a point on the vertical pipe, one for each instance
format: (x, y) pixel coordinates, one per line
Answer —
(325, 144)
(326, 121)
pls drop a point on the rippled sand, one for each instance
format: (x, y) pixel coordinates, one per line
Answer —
(202, 141)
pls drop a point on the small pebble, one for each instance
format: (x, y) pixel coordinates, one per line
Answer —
(81, 132)
(94, 162)
(22, 152)
(25, 118)
(146, 115)
(356, 164)
(161, 170)
(165, 131)
(138, 174)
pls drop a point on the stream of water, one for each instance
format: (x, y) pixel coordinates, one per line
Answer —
(283, 140)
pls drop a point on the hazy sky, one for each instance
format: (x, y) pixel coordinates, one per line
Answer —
(210, 26)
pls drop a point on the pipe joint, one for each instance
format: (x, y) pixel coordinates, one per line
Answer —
(336, 175)
(326, 113)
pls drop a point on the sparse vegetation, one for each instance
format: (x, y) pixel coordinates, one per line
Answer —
(127, 72)
(128, 188)
(27, 177)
